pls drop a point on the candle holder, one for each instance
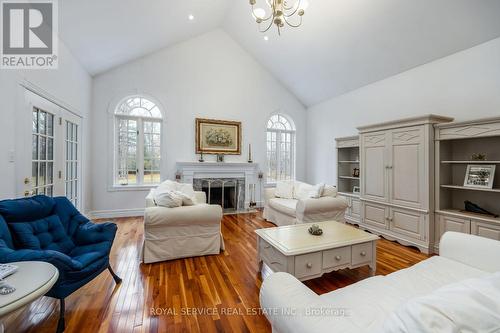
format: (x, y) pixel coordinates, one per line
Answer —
(201, 160)
(250, 153)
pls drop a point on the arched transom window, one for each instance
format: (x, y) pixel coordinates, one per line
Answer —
(280, 148)
(138, 127)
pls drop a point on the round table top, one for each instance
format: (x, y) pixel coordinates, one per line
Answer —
(32, 280)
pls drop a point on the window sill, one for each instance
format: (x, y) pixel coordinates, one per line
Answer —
(119, 188)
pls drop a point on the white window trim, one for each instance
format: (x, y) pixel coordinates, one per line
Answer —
(113, 186)
(278, 148)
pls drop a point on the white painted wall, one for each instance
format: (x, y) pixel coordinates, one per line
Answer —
(209, 76)
(69, 84)
(465, 85)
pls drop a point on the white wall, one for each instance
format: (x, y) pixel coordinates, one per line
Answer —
(208, 76)
(69, 84)
(465, 85)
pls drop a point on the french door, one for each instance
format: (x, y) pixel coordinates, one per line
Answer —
(53, 165)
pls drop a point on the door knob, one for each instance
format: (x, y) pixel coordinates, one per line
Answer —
(27, 193)
(363, 253)
(309, 265)
(27, 180)
(338, 258)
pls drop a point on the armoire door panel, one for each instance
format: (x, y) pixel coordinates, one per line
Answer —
(407, 222)
(375, 174)
(486, 230)
(407, 170)
(374, 214)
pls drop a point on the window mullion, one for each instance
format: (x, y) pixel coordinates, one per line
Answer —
(278, 155)
(140, 151)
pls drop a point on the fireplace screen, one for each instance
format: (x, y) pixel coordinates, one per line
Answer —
(226, 192)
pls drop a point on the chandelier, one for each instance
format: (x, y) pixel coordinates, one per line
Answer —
(280, 12)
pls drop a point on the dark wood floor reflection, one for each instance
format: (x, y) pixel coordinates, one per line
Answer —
(225, 286)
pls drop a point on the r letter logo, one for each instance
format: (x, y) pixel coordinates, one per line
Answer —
(29, 34)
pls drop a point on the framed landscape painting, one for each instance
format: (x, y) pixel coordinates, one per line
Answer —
(218, 136)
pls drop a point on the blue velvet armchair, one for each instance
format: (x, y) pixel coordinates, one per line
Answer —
(47, 229)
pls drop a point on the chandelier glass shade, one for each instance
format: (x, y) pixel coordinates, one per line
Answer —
(279, 13)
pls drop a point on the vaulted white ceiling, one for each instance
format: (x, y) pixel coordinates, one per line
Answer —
(341, 46)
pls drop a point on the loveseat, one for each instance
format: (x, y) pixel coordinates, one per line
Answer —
(180, 232)
(457, 291)
(292, 202)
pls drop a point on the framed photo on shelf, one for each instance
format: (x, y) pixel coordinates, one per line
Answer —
(480, 176)
(356, 189)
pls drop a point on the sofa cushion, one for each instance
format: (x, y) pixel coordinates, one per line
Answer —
(169, 199)
(43, 234)
(371, 301)
(285, 189)
(5, 236)
(285, 206)
(469, 305)
(329, 191)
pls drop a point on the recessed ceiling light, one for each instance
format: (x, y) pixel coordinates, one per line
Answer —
(191, 17)
(266, 38)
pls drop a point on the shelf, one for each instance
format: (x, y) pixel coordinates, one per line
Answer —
(470, 162)
(353, 162)
(458, 187)
(468, 215)
(348, 177)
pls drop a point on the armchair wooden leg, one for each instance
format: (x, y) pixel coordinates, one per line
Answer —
(117, 279)
(61, 324)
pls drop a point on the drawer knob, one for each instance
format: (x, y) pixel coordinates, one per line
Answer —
(363, 253)
(267, 246)
(309, 265)
(338, 258)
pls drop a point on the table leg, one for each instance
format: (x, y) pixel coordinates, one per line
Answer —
(373, 264)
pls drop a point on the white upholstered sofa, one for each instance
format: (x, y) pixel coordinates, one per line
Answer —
(296, 206)
(185, 231)
(453, 292)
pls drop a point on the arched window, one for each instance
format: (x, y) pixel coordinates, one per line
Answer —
(280, 148)
(138, 125)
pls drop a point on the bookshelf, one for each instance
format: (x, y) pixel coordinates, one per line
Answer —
(454, 145)
(347, 161)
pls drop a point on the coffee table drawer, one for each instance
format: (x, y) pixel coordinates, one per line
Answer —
(362, 253)
(272, 257)
(337, 257)
(308, 264)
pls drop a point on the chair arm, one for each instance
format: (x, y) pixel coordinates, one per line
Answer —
(184, 215)
(58, 259)
(269, 193)
(471, 250)
(150, 198)
(93, 233)
(291, 307)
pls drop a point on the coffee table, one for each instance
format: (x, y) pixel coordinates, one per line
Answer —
(293, 250)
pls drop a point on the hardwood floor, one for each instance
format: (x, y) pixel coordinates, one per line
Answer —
(157, 297)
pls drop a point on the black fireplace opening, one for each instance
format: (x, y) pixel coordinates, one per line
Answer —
(223, 196)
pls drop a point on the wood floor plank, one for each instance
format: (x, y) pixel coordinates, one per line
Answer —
(227, 283)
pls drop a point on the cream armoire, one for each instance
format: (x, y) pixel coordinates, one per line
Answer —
(397, 180)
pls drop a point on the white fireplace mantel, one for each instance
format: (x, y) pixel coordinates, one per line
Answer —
(194, 170)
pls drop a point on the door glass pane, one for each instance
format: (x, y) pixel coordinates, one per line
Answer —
(71, 179)
(42, 154)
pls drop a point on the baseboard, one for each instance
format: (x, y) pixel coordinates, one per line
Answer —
(110, 214)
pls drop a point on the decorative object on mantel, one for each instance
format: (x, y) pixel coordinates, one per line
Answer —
(220, 158)
(218, 136)
(201, 160)
(478, 157)
(315, 230)
(355, 172)
(250, 153)
(279, 12)
(473, 208)
(480, 176)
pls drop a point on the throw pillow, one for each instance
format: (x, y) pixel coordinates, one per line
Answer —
(329, 191)
(186, 200)
(471, 305)
(317, 191)
(168, 199)
(43, 234)
(284, 189)
(187, 189)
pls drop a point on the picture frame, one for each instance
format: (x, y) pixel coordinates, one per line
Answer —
(356, 189)
(480, 176)
(218, 136)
